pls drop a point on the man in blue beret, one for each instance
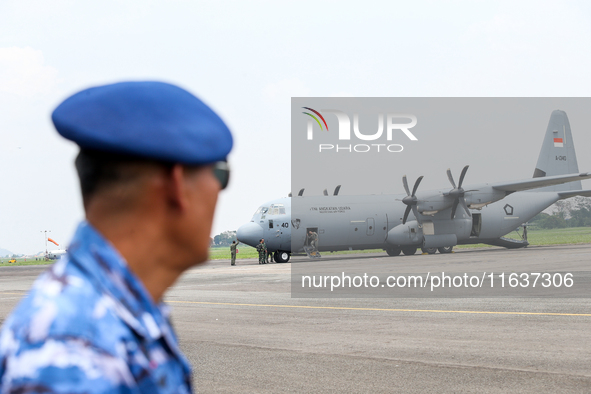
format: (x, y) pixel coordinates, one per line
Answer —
(151, 164)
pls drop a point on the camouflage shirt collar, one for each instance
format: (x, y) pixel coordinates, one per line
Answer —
(110, 272)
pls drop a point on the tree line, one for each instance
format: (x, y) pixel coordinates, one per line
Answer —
(224, 239)
(574, 212)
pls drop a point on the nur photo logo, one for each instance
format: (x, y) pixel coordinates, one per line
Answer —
(394, 123)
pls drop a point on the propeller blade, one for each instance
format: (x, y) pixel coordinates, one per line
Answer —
(462, 175)
(411, 199)
(336, 190)
(406, 212)
(405, 183)
(414, 189)
(454, 207)
(301, 192)
(463, 203)
(451, 178)
(325, 192)
(289, 195)
(415, 211)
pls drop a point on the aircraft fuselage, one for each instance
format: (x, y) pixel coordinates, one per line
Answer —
(375, 222)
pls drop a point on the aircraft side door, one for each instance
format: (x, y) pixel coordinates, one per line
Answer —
(371, 227)
(357, 232)
(376, 229)
(367, 232)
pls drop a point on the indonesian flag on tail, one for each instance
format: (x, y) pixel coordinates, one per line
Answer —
(558, 143)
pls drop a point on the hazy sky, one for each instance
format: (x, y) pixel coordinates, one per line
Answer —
(247, 59)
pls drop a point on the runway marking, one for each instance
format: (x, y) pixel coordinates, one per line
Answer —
(344, 308)
(384, 309)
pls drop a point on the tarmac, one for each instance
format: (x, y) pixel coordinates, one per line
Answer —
(243, 331)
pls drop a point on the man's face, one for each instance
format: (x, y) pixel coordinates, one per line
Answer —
(202, 190)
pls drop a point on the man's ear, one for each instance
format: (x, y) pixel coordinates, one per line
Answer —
(176, 192)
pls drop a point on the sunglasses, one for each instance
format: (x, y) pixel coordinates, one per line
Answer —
(221, 171)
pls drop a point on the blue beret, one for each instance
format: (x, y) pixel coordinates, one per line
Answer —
(154, 120)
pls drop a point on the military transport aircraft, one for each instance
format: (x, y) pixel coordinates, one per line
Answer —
(431, 220)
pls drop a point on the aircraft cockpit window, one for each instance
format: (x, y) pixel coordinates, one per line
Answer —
(261, 211)
(277, 209)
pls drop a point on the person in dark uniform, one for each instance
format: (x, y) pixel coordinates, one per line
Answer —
(151, 164)
(233, 252)
(269, 258)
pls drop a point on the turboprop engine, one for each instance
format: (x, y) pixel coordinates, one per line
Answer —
(457, 196)
(414, 234)
(409, 233)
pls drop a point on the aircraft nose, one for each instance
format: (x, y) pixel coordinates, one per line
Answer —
(249, 234)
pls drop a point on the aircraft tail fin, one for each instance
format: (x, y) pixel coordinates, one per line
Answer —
(557, 156)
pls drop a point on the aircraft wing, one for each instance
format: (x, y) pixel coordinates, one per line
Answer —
(534, 183)
(582, 193)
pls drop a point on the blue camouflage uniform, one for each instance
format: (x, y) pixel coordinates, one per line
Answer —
(89, 326)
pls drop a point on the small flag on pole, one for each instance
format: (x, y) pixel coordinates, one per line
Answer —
(558, 143)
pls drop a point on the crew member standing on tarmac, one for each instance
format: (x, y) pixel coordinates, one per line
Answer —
(264, 252)
(262, 249)
(233, 252)
(151, 165)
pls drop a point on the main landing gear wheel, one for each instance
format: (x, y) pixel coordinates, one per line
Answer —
(445, 249)
(281, 257)
(429, 250)
(393, 251)
(409, 250)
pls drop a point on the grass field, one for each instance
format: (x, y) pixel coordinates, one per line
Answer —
(558, 236)
(223, 252)
(573, 235)
(21, 261)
